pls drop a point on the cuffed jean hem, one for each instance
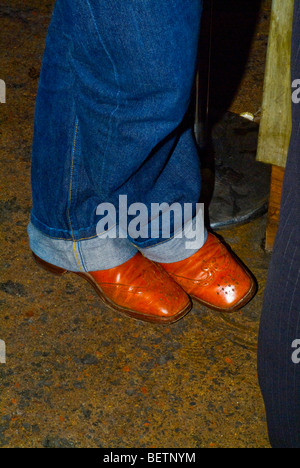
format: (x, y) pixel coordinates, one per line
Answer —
(177, 249)
(81, 256)
(105, 253)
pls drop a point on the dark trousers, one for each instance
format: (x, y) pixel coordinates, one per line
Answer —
(279, 339)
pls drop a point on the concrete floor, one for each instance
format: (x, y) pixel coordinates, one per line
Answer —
(78, 375)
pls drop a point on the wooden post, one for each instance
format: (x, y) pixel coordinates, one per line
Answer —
(274, 206)
(276, 120)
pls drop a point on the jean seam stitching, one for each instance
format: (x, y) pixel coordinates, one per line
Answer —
(62, 238)
(81, 256)
(70, 194)
(64, 230)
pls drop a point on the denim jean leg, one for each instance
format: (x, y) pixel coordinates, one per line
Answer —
(59, 231)
(110, 120)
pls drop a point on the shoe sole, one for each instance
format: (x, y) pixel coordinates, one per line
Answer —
(110, 304)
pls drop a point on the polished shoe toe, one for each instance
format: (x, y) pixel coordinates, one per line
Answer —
(214, 277)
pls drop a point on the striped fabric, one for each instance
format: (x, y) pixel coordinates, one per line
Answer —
(279, 338)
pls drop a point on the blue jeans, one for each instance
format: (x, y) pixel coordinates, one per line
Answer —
(114, 92)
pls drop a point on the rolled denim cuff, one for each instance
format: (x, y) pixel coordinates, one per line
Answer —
(81, 256)
(180, 247)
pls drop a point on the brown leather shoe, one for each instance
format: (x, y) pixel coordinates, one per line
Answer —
(214, 277)
(139, 288)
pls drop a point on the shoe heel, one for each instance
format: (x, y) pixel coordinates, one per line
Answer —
(55, 270)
